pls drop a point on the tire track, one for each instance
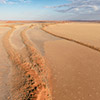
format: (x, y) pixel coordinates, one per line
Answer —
(5, 67)
(27, 83)
(37, 61)
(15, 39)
(16, 66)
(71, 40)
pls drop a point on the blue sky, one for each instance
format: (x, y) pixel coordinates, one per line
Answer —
(49, 9)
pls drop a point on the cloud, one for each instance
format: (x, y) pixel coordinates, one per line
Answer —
(14, 1)
(96, 8)
(79, 6)
(25, 1)
(89, 16)
(3, 1)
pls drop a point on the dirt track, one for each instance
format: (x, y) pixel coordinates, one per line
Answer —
(5, 68)
(28, 73)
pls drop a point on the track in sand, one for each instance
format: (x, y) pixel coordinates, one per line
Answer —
(28, 73)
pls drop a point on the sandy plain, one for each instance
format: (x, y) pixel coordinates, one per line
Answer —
(75, 60)
(55, 62)
(88, 33)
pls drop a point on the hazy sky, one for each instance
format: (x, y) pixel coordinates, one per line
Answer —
(49, 9)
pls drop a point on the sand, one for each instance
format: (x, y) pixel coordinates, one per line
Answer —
(4, 67)
(88, 33)
(75, 71)
(15, 38)
(58, 62)
(25, 77)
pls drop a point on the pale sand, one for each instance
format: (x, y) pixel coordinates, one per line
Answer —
(75, 71)
(5, 67)
(39, 37)
(88, 33)
(15, 38)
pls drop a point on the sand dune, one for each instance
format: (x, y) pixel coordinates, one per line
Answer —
(56, 62)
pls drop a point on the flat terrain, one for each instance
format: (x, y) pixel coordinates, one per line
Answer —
(88, 33)
(57, 62)
(5, 68)
(75, 71)
(75, 61)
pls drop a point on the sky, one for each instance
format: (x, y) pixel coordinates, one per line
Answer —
(49, 9)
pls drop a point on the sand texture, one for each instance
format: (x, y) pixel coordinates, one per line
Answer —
(75, 60)
(52, 61)
(23, 72)
(87, 33)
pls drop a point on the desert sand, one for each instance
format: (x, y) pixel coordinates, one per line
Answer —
(88, 33)
(75, 61)
(75, 71)
(25, 77)
(49, 61)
